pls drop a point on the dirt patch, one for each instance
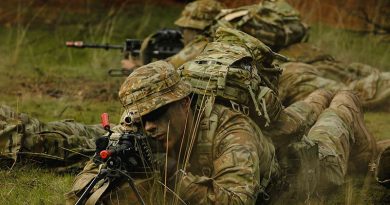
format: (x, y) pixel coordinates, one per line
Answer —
(57, 87)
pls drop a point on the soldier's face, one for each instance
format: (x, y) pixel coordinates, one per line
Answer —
(189, 34)
(168, 124)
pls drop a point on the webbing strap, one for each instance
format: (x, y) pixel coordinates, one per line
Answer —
(254, 100)
(261, 100)
(97, 194)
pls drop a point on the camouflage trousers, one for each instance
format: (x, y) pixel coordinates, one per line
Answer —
(298, 80)
(333, 129)
(382, 165)
(60, 144)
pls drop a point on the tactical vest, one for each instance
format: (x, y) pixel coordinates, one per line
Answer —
(275, 23)
(234, 68)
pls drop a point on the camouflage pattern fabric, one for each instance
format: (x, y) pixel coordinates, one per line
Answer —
(344, 146)
(236, 140)
(152, 86)
(298, 80)
(295, 120)
(231, 161)
(199, 14)
(328, 73)
(226, 139)
(61, 145)
(212, 72)
(334, 146)
(190, 51)
(374, 89)
(232, 68)
(344, 142)
(276, 23)
(242, 158)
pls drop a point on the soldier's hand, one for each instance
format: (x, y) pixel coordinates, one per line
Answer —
(128, 64)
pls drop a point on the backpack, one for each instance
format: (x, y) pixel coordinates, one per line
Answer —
(275, 23)
(236, 69)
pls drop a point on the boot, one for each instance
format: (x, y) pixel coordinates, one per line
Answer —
(363, 148)
(382, 169)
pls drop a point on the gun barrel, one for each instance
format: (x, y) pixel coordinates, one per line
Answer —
(81, 44)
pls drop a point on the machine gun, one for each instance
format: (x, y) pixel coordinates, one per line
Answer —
(129, 156)
(160, 45)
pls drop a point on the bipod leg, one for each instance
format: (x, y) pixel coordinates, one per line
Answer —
(101, 175)
(136, 191)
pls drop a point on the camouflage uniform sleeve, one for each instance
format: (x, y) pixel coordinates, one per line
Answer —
(189, 52)
(236, 176)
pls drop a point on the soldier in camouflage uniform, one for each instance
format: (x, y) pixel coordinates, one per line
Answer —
(316, 117)
(62, 144)
(217, 155)
(323, 72)
(312, 69)
(221, 154)
(195, 22)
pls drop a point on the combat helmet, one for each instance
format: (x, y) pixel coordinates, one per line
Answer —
(150, 87)
(199, 14)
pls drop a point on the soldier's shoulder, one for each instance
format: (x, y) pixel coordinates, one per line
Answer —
(228, 117)
(199, 40)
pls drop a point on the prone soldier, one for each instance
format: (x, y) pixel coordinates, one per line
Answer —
(310, 68)
(216, 154)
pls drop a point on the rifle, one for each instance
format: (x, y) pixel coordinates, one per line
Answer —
(130, 155)
(160, 45)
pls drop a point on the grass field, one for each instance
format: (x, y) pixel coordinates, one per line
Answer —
(41, 77)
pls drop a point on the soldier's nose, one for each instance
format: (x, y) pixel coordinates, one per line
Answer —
(150, 127)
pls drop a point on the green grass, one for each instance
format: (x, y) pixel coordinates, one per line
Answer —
(48, 109)
(31, 45)
(351, 46)
(378, 124)
(41, 77)
(29, 185)
(35, 63)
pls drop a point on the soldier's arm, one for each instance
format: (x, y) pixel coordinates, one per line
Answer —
(236, 176)
(189, 52)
